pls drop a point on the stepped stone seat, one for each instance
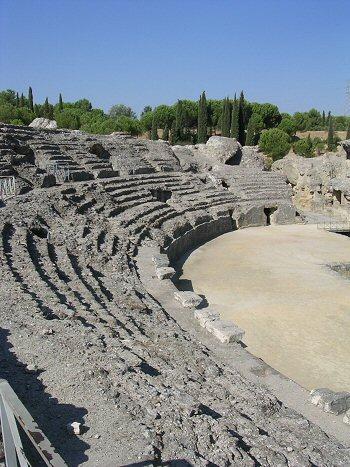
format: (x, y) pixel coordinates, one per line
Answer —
(72, 286)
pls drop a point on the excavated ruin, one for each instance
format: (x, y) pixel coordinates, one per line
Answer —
(82, 339)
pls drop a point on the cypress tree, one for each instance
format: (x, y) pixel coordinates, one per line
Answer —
(226, 118)
(348, 132)
(179, 122)
(234, 120)
(22, 101)
(30, 99)
(241, 132)
(166, 133)
(154, 130)
(323, 119)
(250, 138)
(330, 139)
(172, 136)
(202, 119)
(60, 103)
(17, 100)
(328, 117)
(46, 109)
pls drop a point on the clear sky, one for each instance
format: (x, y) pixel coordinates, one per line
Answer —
(295, 53)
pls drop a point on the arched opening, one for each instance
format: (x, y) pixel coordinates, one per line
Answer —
(268, 212)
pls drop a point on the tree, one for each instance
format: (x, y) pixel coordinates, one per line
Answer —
(214, 107)
(330, 139)
(22, 102)
(304, 147)
(202, 119)
(30, 99)
(288, 125)
(275, 143)
(154, 131)
(179, 122)
(226, 118)
(120, 110)
(241, 132)
(165, 135)
(17, 99)
(323, 119)
(348, 132)
(234, 120)
(255, 125)
(146, 121)
(172, 133)
(146, 109)
(268, 112)
(47, 110)
(60, 103)
(67, 119)
(8, 97)
(164, 114)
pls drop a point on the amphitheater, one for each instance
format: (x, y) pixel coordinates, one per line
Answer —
(94, 330)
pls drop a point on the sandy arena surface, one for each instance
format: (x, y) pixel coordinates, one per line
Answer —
(274, 283)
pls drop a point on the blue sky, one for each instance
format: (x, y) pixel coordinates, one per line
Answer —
(294, 53)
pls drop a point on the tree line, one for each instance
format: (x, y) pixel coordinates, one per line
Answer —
(186, 121)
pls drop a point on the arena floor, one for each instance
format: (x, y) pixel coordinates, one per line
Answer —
(275, 283)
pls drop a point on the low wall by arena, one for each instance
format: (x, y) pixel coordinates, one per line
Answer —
(199, 235)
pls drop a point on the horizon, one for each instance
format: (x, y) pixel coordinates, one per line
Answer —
(107, 57)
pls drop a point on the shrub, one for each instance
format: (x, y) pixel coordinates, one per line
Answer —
(275, 143)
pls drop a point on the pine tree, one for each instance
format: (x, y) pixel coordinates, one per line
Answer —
(323, 119)
(234, 120)
(179, 123)
(22, 101)
(226, 118)
(241, 132)
(30, 99)
(348, 132)
(60, 103)
(154, 130)
(330, 139)
(202, 119)
(166, 133)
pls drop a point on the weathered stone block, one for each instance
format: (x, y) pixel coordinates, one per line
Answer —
(254, 217)
(225, 331)
(285, 214)
(206, 315)
(160, 261)
(165, 273)
(330, 401)
(188, 299)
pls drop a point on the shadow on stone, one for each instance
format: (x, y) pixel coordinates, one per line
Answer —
(51, 416)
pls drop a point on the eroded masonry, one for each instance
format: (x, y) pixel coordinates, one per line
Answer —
(84, 340)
